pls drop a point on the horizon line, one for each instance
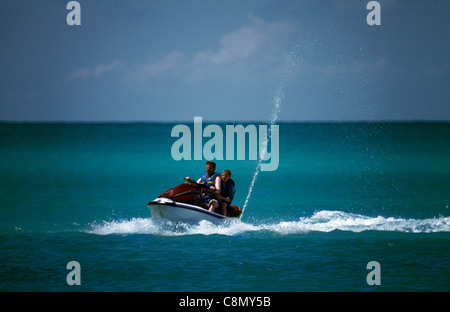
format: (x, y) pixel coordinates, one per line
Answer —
(222, 121)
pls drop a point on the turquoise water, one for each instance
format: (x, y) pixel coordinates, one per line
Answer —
(344, 194)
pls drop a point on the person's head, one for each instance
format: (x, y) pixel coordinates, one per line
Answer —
(226, 175)
(210, 167)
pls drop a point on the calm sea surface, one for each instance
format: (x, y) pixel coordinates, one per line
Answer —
(344, 194)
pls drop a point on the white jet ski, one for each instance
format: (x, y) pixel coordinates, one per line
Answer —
(183, 204)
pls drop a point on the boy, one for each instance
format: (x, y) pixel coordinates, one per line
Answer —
(227, 191)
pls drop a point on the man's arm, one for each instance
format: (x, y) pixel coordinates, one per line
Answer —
(218, 184)
(191, 181)
(216, 187)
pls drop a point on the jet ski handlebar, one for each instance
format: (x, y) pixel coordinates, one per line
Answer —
(200, 185)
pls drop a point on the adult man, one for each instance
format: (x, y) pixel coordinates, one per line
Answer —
(212, 181)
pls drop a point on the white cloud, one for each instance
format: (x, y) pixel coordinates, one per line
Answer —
(152, 69)
(243, 42)
(258, 41)
(97, 71)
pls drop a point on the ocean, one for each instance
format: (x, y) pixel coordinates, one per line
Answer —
(345, 196)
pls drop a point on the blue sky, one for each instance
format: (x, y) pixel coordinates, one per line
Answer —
(224, 60)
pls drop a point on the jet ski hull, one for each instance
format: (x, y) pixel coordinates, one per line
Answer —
(164, 208)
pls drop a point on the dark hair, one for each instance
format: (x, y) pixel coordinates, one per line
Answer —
(211, 163)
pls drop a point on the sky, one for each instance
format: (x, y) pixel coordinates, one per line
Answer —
(224, 60)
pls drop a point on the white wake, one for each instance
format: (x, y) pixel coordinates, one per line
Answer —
(321, 221)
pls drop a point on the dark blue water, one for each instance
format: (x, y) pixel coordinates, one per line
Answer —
(344, 194)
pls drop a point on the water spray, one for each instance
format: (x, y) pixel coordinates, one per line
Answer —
(286, 71)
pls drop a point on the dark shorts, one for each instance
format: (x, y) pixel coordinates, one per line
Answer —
(208, 200)
(222, 201)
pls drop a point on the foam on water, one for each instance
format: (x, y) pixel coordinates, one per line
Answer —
(321, 221)
(167, 228)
